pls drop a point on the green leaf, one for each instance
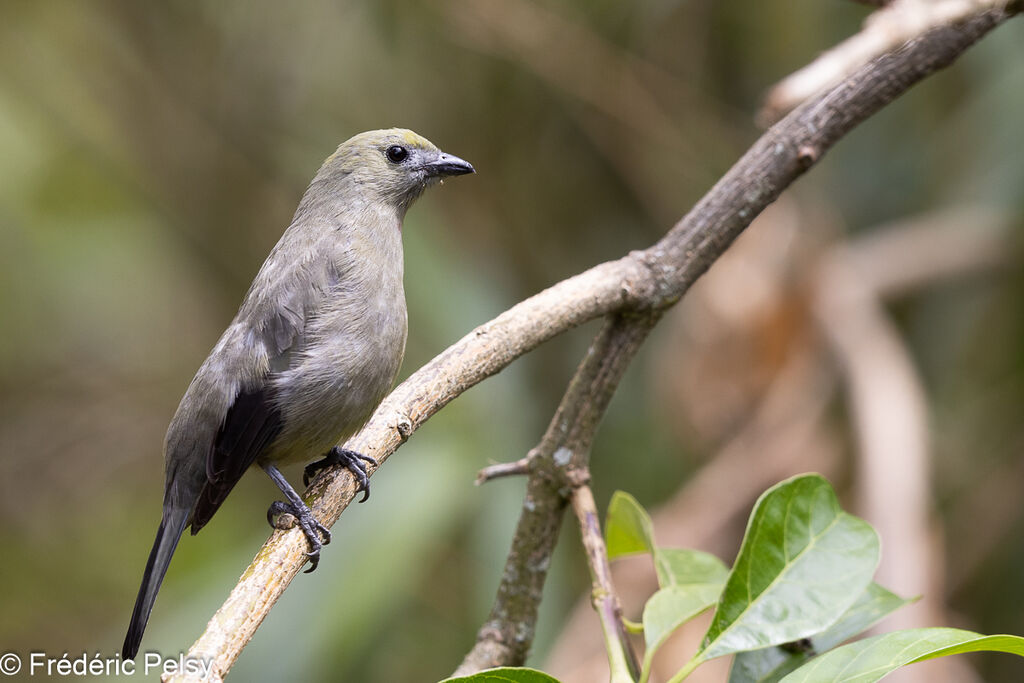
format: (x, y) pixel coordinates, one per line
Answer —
(671, 607)
(505, 675)
(871, 659)
(771, 664)
(691, 582)
(627, 528)
(872, 605)
(802, 564)
(677, 566)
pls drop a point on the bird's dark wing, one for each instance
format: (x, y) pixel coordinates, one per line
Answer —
(277, 314)
(251, 424)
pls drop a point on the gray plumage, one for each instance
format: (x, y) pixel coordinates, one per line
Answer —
(315, 346)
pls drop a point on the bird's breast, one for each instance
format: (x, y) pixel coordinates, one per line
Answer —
(352, 352)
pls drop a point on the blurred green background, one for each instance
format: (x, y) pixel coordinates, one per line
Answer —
(152, 153)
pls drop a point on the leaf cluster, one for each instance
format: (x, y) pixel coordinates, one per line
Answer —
(800, 587)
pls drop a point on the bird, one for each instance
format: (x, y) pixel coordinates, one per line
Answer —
(315, 346)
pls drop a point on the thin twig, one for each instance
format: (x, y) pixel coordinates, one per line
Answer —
(503, 469)
(621, 659)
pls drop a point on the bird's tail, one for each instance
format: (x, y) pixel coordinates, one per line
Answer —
(172, 525)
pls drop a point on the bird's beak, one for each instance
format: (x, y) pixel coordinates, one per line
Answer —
(444, 165)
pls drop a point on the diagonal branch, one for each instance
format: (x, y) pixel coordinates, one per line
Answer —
(887, 29)
(647, 280)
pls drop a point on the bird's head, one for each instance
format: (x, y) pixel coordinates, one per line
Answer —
(392, 166)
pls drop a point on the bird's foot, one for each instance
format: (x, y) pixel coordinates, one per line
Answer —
(350, 460)
(307, 522)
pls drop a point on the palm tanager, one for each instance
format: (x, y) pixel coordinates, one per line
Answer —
(314, 348)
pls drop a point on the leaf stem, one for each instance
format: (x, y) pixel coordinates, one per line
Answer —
(688, 669)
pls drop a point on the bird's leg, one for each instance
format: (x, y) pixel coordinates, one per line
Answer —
(303, 515)
(350, 460)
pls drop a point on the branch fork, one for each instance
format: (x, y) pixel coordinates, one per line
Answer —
(631, 293)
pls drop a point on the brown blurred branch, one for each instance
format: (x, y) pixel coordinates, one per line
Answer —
(648, 280)
(926, 249)
(889, 411)
(887, 397)
(887, 29)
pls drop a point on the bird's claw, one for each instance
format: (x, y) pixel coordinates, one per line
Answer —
(308, 523)
(350, 460)
(304, 518)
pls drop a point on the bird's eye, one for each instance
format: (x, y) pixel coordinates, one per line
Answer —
(397, 154)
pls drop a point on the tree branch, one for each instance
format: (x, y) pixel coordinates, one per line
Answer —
(503, 469)
(885, 30)
(558, 466)
(648, 280)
